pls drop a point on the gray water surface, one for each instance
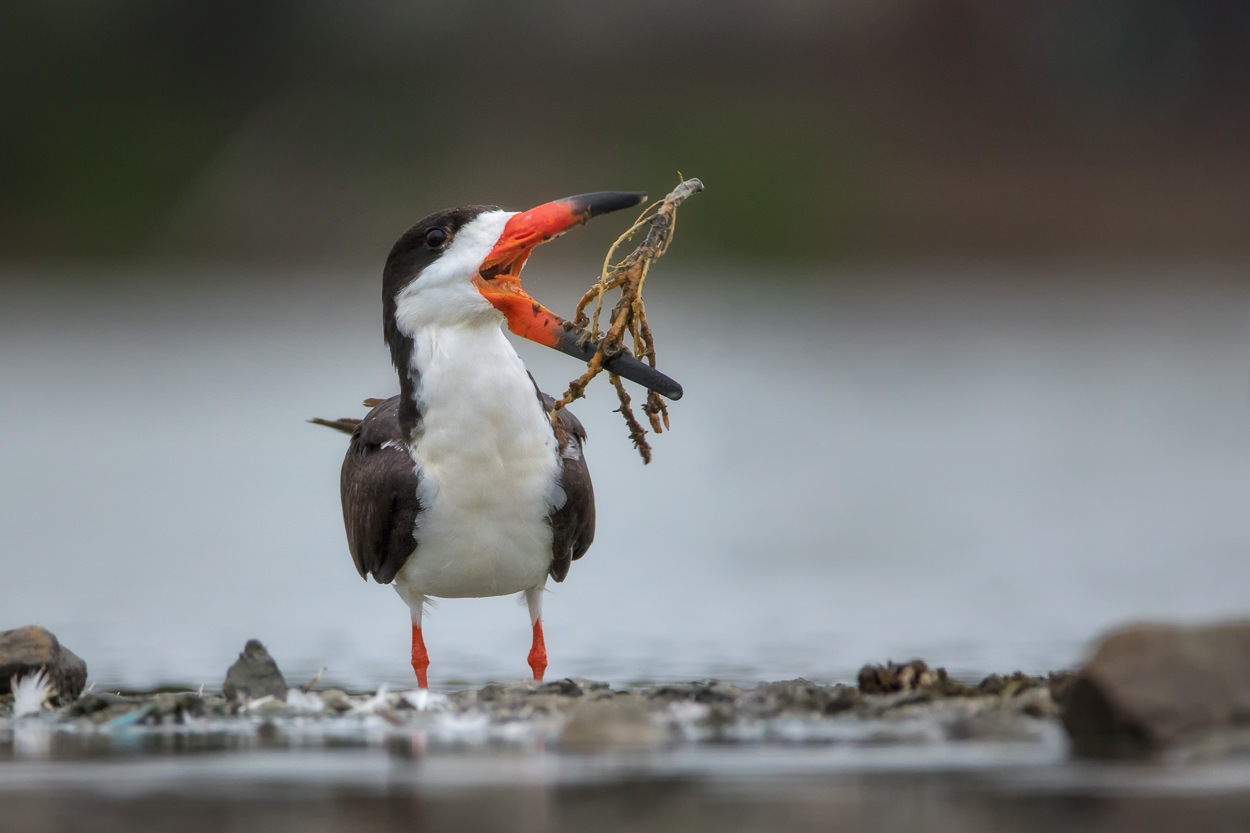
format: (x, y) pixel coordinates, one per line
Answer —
(864, 466)
(400, 781)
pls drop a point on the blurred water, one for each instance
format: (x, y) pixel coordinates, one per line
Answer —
(214, 785)
(886, 465)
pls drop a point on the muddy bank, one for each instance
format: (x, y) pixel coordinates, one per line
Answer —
(891, 704)
(928, 753)
(1146, 692)
(907, 747)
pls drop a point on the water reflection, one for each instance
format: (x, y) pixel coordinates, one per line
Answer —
(955, 787)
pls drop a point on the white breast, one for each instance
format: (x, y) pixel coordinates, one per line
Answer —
(488, 465)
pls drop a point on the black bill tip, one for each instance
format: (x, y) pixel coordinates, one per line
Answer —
(603, 202)
(628, 367)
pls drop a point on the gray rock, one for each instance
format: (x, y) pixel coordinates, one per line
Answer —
(25, 650)
(1150, 687)
(254, 674)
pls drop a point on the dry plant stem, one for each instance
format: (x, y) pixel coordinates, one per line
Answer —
(629, 315)
(636, 432)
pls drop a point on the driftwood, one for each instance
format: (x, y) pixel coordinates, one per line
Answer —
(628, 316)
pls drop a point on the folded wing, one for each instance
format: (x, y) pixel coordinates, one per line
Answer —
(379, 487)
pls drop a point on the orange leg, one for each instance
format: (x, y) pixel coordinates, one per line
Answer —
(538, 652)
(420, 659)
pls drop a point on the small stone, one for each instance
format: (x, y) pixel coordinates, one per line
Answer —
(336, 700)
(25, 650)
(490, 692)
(612, 724)
(254, 675)
(565, 687)
(271, 708)
(892, 677)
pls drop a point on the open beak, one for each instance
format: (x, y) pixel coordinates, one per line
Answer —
(499, 282)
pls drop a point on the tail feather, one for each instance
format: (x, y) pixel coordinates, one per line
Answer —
(347, 425)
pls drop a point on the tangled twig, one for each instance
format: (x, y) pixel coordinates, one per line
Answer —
(629, 315)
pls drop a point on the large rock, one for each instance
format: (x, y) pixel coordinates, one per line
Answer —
(1150, 687)
(25, 650)
(254, 674)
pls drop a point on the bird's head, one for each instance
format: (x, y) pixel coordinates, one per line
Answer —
(462, 267)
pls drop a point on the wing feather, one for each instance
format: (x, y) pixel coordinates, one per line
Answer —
(379, 488)
(573, 523)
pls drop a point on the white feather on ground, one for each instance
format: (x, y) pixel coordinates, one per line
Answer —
(31, 692)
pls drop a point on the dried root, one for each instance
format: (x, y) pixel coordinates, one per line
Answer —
(628, 316)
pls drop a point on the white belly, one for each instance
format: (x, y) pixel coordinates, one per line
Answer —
(488, 467)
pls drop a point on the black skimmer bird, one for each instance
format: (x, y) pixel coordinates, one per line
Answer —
(465, 485)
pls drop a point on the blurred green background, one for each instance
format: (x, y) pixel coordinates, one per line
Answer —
(300, 131)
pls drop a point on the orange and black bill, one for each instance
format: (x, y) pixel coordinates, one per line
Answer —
(499, 282)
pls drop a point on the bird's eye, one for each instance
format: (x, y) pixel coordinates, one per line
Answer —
(436, 238)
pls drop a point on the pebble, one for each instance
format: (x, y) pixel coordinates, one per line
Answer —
(254, 675)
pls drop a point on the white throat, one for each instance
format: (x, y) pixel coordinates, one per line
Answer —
(444, 293)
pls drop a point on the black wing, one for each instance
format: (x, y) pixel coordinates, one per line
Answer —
(573, 524)
(379, 485)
